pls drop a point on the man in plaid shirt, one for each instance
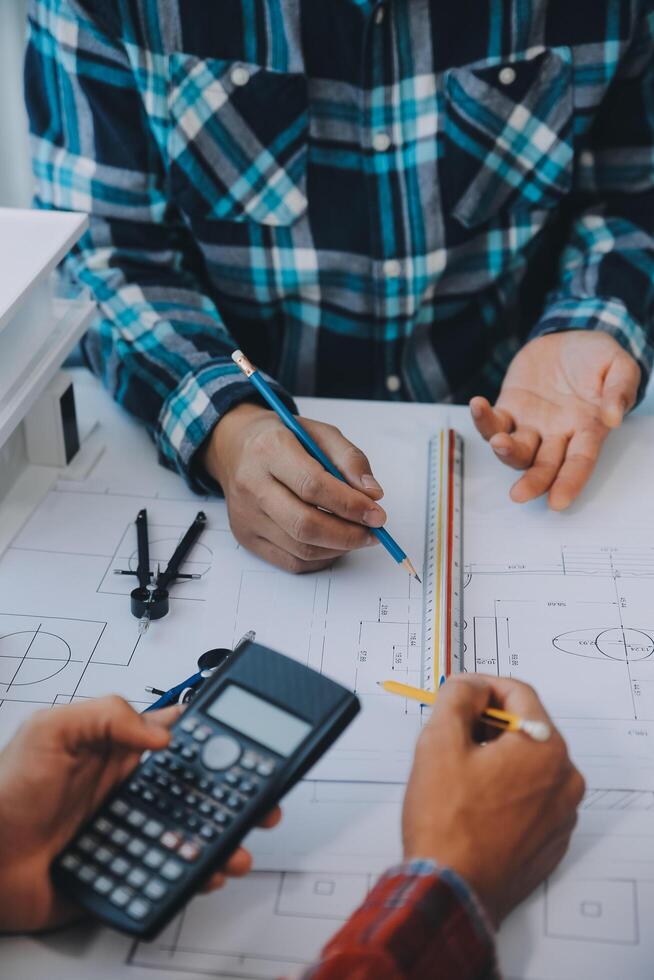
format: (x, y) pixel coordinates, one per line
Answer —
(400, 199)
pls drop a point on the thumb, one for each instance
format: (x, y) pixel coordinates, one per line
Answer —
(110, 722)
(460, 703)
(348, 458)
(620, 389)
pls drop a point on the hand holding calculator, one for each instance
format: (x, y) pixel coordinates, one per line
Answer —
(254, 730)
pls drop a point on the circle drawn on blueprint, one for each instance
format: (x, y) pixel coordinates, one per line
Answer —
(31, 657)
(624, 644)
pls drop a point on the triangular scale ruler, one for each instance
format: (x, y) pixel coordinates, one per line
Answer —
(442, 635)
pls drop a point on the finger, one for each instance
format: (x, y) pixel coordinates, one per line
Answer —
(300, 549)
(488, 420)
(214, 883)
(164, 717)
(517, 450)
(541, 475)
(311, 526)
(458, 706)
(107, 721)
(271, 819)
(577, 469)
(620, 389)
(517, 698)
(346, 457)
(239, 864)
(282, 559)
(307, 479)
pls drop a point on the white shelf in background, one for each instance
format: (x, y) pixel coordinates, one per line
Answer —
(24, 374)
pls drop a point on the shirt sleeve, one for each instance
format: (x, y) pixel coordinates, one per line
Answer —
(158, 341)
(606, 276)
(418, 923)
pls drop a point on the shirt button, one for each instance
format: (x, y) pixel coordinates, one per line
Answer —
(392, 268)
(379, 15)
(240, 76)
(393, 383)
(381, 142)
(507, 76)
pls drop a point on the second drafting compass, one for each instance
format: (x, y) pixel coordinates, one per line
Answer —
(151, 599)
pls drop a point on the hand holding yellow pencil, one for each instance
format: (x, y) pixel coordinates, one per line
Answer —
(540, 731)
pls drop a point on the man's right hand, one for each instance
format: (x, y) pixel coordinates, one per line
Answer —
(500, 814)
(282, 504)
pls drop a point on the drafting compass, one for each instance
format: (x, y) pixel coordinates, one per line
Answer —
(151, 599)
(208, 664)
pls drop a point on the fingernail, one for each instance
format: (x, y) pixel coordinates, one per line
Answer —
(502, 451)
(373, 518)
(369, 483)
(475, 411)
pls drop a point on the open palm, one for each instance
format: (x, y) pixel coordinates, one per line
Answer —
(562, 395)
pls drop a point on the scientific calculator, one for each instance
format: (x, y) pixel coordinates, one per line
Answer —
(254, 729)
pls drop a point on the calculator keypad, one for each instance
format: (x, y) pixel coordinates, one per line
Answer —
(178, 803)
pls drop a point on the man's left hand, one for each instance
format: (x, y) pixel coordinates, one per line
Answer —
(562, 395)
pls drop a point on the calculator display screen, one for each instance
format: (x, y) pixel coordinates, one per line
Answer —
(267, 724)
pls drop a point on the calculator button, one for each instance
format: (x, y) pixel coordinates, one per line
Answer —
(234, 802)
(148, 774)
(202, 733)
(119, 866)
(102, 826)
(221, 752)
(189, 752)
(246, 786)
(175, 745)
(120, 897)
(70, 862)
(87, 845)
(103, 855)
(134, 787)
(138, 908)
(189, 851)
(119, 808)
(162, 804)
(171, 870)
(147, 796)
(231, 778)
(136, 819)
(87, 874)
(154, 859)
(137, 878)
(192, 822)
(174, 767)
(160, 759)
(208, 832)
(119, 837)
(163, 781)
(102, 885)
(170, 840)
(176, 790)
(189, 776)
(266, 768)
(178, 814)
(189, 724)
(221, 818)
(218, 793)
(248, 760)
(153, 829)
(137, 847)
(190, 799)
(155, 889)
(205, 808)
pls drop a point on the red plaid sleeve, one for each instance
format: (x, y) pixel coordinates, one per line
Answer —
(418, 923)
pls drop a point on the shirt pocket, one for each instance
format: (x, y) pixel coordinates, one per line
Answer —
(508, 135)
(237, 140)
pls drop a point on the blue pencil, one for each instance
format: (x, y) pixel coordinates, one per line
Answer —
(290, 421)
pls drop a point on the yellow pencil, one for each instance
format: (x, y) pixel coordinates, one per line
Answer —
(538, 730)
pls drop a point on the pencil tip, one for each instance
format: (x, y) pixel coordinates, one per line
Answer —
(417, 578)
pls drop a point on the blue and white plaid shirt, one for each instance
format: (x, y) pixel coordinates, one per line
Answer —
(373, 198)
